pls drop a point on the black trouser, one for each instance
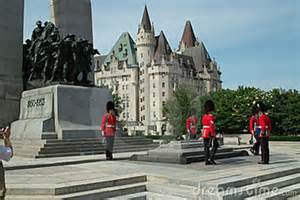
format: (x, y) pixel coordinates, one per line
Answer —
(2, 182)
(208, 142)
(256, 144)
(265, 154)
(193, 136)
(109, 145)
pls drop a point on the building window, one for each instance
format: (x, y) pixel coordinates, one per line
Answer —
(163, 94)
(153, 85)
(153, 94)
(154, 115)
(142, 55)
(124, 115)
(163, 103)
(153, 103)
(163, 84)
(153, 77)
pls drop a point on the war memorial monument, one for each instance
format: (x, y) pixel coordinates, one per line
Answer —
(48, 95)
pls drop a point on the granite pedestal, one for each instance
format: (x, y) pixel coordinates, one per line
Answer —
(184, 152)
(66, 111)
(58, 112)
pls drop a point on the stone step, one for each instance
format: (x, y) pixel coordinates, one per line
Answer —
(240, 181)
(30, 197)
(192, 145)
(91, 148)
(185, 160)
(105, 193)
(200, 151)
(176, 190)
(294, 198)
(259, 187)
(96, 142)
(87, 186)
(49, 136)
(90, 152)
(93, 139)
(135, 196)
(289, 192)
(147, 195)
(73, 187)
(219, 155)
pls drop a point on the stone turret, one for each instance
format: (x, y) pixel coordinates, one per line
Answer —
(145, 40)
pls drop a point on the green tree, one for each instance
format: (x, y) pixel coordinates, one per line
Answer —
(178, 108)
(118, 103)
(233, 109)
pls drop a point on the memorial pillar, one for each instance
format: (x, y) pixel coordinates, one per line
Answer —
(11, 53)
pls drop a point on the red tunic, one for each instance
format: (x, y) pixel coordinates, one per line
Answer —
(191, 124)
(264, 125)
(252, 124)
(209, 129)
(108, 125)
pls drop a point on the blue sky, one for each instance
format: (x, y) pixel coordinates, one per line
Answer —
(256, 43)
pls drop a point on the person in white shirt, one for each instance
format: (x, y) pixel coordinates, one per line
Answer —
(6, 152)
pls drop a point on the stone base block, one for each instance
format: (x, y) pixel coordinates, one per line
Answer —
(70, 112)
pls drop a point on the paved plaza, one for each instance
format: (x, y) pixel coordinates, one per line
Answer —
(40, 176)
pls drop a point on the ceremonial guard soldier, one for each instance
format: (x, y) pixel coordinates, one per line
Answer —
(209, 133)
(108, 127)
(254, 131)
(264, 123)
(191, 125)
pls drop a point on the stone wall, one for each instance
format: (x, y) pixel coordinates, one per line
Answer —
(11, 40)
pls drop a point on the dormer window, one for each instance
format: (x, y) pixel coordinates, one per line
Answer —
(120, 48)
(125, 54)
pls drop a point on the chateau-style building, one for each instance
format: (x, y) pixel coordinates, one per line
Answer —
(146, 72)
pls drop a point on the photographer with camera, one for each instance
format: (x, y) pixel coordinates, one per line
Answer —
(6, 152)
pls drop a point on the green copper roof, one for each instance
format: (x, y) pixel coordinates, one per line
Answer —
(123, 50)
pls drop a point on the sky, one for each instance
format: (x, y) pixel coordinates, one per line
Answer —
(256, 43)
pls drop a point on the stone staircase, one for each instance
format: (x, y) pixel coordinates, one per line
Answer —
(88, 190)
(281, 184)
(76, 147)
(272, 185)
